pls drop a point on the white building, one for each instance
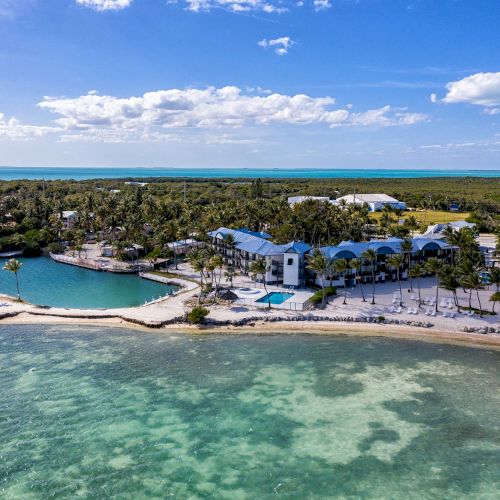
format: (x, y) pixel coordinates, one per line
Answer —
(68, 219)
(293, 200)
(437, 230)
(284, 263)
(375, 202)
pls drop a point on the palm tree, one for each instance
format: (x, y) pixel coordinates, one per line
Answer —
(14, 266)
(371, 256)
(341, 266)
(321, 265)
(433, 265)
(356, 265)
(406, 248)
(450, 281)
(495, 297)
(474, 281)
(417, 271)
(495, 277)
(396, 261)
(229, 275)
(259, 268)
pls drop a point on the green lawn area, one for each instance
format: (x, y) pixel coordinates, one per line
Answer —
(430, 216)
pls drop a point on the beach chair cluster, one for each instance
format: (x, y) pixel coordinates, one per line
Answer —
(399, 310)
(447, 303)
(430, 301)
(430, 312)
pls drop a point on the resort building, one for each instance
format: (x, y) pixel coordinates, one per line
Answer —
(293, 200)
(423, 249)
(240, 248)
(437, 230)
(68, 219)
(375, 202)
(287, 264)
(183, 247)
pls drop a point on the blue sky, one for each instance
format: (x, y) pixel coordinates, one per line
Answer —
(255, 83)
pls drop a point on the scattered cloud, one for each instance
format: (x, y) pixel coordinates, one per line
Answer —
(280, 45)
(246, 6)
(102, 5)
(433, 98)
(108, 118)
(174, 114)
(322, 5)
(13, 129)
(10, 8)
(481, 89)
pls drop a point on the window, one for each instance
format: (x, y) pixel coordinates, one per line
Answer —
(289, 262)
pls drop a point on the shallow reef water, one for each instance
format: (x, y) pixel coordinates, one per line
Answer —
(98, 412)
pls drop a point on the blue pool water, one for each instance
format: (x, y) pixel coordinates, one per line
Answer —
(79, 173)
(276, 298)
(45, 282)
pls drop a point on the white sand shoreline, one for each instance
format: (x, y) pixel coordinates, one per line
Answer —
(430, 335)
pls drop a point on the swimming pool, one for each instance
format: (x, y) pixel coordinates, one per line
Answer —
(275, 298)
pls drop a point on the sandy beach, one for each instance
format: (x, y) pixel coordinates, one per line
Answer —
(167, 315)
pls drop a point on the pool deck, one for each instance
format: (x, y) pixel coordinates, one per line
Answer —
(298, 302)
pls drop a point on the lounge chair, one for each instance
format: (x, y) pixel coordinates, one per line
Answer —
(399, 310)
(433, 313)
(413, 297)
(409, 311)
(445, 314)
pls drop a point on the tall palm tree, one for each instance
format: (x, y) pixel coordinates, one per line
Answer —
(371, 256)
(417, 271)
(495, 297)
(433, 265)
(319, 263)
(450, 281)
(229, 275)
(407, 248)
(356, 265)
(259, 268)
(474, 281)
(396, 261)
(14, 266)
(495, 277)
(341, 266)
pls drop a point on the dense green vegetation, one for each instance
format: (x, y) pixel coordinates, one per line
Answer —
(174, 209)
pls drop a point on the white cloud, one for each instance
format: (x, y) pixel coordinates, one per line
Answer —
(322, 5)
(12, 129)
(482, 89)
(9, 8)
(280, 45)
(242, 6)
(102, 5)
(491, 111)
(113, 119)
(433, 98)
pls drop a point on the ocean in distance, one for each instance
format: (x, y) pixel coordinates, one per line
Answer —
(81, 173)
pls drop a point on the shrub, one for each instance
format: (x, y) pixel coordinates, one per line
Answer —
(197, 315)
(56, 247)
(380, 319)
(317, 298)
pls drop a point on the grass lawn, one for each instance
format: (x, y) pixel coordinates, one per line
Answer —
(430, 216)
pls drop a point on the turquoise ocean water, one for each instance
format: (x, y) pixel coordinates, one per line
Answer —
(79, 173)
(45, 282)
(88, 412)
